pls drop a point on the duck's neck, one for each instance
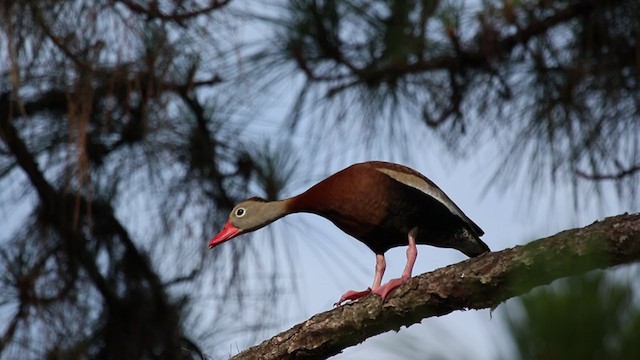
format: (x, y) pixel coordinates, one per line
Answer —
(274, 210)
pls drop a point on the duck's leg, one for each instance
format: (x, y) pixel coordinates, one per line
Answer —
(412, 254)
(377, 280)
(381, 266)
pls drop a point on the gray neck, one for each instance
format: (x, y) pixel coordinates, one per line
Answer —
(274, 210)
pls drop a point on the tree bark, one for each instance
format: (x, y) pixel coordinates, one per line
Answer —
(478, 283)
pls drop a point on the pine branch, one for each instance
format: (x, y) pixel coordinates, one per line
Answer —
(479, 283)
(137, 277)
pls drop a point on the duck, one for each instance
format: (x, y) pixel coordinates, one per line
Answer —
(381, 204)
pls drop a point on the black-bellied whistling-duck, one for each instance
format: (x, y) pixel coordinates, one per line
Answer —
(382, 204)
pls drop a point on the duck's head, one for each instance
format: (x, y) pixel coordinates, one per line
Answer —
(249, 215)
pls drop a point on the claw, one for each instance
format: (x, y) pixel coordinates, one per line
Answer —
(352, 296)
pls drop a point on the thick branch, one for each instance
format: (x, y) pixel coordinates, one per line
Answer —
(9, 135)
(479, 283)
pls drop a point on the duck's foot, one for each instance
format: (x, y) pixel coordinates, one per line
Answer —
(352, 296)
(385, 289)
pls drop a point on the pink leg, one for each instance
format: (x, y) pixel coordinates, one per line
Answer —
(355, 295)
(381, 266)
(412, 254)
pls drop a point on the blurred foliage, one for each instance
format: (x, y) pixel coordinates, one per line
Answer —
(121, 117)
(123, 143)
(594, 316)
(554, 84)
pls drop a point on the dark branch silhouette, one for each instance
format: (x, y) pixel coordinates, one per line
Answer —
(153, 12)
(58, 210)
(623, 172)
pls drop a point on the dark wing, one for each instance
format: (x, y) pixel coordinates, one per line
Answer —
(414, 179)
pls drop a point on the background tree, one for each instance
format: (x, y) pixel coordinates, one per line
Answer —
(116, 133)
(554, 83)
(585, 317)
(121, 122)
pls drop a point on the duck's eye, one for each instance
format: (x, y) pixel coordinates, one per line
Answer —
(240, 212)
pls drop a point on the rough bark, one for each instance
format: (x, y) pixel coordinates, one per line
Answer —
(478, 283)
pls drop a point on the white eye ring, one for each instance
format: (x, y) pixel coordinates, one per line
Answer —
(240, 212)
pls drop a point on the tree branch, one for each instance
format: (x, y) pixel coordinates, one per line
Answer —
(132, 265)
(478, 283)
(470, 57)
(622, 173)
(153, 12)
